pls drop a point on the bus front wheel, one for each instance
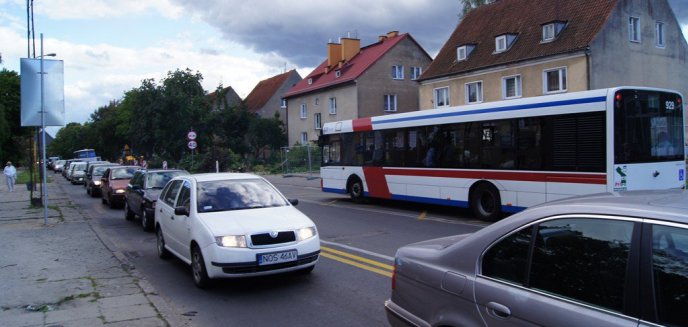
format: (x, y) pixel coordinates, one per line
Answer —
(486, 202)
(356, 190)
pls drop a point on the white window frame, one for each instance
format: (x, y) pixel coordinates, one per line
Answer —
(304, 111)
(563, 80)
(548, 32)
(518, 87)
(461, 53)
(333, 106)
(436, 93)
(634, 29)
(501, 40)
(660, 35)
(479, 92)
(310, 81)
(284, 103)
(317, 121)
(416, 72)
(398, 72)
(337, 73)
(390, 103)
(304, 138)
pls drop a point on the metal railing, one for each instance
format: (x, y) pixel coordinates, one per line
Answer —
(301, 160)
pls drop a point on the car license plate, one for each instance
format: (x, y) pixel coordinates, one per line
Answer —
(277, 257)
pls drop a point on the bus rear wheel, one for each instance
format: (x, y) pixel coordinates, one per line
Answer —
(356, 190)
(486, 202)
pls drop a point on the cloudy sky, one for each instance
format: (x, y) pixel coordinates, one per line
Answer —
(109, 46)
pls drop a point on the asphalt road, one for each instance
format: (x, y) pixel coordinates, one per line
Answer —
(347, 287)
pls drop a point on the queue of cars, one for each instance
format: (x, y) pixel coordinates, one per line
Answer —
(224, 225)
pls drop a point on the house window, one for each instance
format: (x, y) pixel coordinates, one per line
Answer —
(317, 101)
(304, 138)
(500, 43)
(504, 42)
(304, 111)
(659, 34)
(442, 97)
(634, 29)
(548, 32)
(284, 103)
(511, 87)
(555, 80)
(397, 72)
(390, 102)
(461, 53)
(464, 51)
(317, 123)
(337, 73)
(415, 72)
(474, 92)
(551, 31)
(310, 81)
(333, 106)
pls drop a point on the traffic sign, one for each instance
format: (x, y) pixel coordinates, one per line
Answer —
(191, 135)
(192, 145)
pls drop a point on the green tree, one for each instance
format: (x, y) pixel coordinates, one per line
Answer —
(469, 5)
(12, 134)
(266, 134)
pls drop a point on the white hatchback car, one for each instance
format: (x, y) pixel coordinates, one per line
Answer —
(228, 225)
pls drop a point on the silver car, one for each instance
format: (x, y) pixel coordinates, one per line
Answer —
(604, 260)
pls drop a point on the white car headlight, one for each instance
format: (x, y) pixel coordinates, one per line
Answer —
(305, 233)
(119, 191)
(232, 241)
(96, 183)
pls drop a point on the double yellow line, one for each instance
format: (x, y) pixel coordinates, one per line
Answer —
(356, 261)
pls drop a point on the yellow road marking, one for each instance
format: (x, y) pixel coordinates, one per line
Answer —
(331, 203)
(356, 264)
(423, 215)
(357, 258)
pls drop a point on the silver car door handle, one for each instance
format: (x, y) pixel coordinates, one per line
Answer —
(498, 310)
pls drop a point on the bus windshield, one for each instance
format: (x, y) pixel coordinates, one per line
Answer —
(648, 127)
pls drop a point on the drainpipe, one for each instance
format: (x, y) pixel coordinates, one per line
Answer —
(588, 64)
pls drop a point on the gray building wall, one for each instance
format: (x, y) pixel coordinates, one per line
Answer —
(615, 60)
(274, 105)
(377, 80)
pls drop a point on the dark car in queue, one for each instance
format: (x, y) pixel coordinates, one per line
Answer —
(114, 183)
(618, 259)
(143, 191)
(58, 165)
(88, 167)
(93, 176)
(77, 173)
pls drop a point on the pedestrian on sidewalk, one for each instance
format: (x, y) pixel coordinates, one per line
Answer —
(11, 175)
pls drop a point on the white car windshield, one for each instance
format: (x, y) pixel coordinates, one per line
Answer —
(237, 194)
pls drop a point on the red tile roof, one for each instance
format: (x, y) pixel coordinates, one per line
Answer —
(350, 70)
(264, 90)
(584, 18)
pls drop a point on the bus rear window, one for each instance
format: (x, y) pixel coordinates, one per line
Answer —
(648, 127)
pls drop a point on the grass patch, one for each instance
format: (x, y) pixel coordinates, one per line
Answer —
(23, 177)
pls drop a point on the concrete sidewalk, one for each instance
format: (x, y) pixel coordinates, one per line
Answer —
(63, 273)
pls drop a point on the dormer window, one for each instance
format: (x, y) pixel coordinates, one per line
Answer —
(550, 31)
(310, 81)
(337, 73)
(464, 51)
(503, 42)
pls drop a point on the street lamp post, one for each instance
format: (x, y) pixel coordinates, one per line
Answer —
(43, 169)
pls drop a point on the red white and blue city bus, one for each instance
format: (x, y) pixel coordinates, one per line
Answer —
(86, 155)
(505, 156)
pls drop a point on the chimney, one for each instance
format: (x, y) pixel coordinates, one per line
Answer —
(334, 54)
(350, 48)
(381, 38)
(392, 34)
